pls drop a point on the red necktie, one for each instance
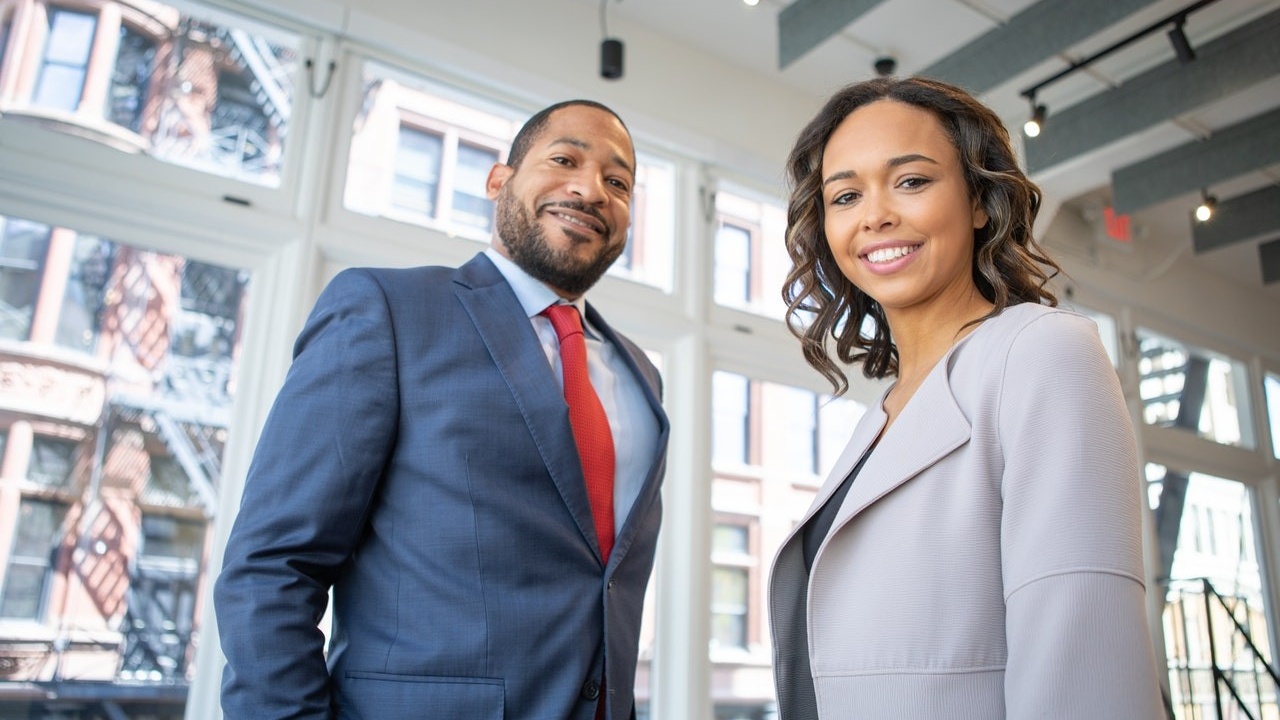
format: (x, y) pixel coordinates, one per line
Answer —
(590, 424)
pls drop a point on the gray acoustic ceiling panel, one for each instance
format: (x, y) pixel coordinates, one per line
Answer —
(805, 24)
(1032, 36)
(1240, 218)
(1229, 153)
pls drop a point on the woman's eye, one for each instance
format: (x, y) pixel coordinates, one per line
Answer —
(912, 183)
(844, 198)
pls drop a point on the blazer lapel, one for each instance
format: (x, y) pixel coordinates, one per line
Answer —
(930, 427)
(514, 347)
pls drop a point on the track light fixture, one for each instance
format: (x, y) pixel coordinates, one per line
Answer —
(1035, 124)
(1208, 205)
(1181, 45)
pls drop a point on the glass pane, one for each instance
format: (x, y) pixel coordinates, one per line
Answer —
(751, 261)
(417, 177)
(131, 79)
(216, 96)
(66, 57)
(23, 247)
(733, 266)
(39, 532)
(1271, 387)
(1215, 613)
(51, 462)
(730, 402)
(772, 444)
(80, 320)
(471, 205)
(648, 257)
(1194, 389)
(153, 403)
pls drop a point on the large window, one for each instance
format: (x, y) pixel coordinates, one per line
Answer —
(215, 96)
(1194, 389)
(1215, 613)
(123, 440)
(421, 152)
(771, 445)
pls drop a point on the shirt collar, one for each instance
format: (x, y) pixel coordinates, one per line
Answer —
(533, 294)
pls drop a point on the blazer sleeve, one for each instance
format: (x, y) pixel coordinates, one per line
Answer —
(310, 485)
(1071, 542)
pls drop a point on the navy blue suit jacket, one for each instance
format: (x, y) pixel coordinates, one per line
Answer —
(419, 462)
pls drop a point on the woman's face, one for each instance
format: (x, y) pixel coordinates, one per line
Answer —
(899, 219)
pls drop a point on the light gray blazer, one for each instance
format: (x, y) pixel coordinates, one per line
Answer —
(987, 560)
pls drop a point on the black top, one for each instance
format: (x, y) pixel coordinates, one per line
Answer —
(816, 531)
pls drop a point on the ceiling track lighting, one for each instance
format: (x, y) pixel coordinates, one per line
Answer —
(1207, 207)
(1177, 37)
(1035, 124)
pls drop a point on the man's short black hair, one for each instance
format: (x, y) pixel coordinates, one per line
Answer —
(535, 125)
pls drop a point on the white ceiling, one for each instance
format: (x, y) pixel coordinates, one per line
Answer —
(918, 33)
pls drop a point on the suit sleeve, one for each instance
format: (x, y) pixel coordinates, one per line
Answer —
(310, 485)
(1076, 625)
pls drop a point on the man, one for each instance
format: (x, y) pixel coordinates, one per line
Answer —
(422, 460)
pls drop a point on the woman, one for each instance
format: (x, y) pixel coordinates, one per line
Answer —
(976, 551)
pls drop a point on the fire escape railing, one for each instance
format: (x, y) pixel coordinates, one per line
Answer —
(1224, 679)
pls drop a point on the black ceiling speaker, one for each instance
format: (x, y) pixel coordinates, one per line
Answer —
(611, 59)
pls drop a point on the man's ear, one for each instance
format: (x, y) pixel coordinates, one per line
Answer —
(499, 174)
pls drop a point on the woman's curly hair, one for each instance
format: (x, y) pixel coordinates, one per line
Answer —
(1009, 267)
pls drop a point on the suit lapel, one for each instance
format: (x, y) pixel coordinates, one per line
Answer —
(514, 347)
(649, 382)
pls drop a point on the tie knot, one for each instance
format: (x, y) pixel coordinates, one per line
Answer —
(565, 319)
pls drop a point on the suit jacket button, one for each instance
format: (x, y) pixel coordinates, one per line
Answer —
(611, 583)
(590, 690)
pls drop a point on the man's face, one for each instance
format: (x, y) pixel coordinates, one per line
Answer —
(563, 215)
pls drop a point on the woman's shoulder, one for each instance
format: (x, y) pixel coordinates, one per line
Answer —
(1034, 333)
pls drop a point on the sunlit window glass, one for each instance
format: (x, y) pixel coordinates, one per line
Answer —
(1194, 390)
(733, 265)
(23, 248)
(216, 96)
(772, 445)
(66, 59)
(417, 173)
(1215, 613)
(731, 401)
(471, 205)
(730, 586)
(751, 261)
(37, 535)
(110, 521)
(1272, 388)
(131, 80)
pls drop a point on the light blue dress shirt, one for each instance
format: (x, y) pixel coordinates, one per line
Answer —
(635, 429)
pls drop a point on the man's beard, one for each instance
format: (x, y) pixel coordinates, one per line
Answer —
(527, 245)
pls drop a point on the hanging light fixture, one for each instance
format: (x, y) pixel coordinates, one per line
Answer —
(611, 49)
(1181, 45)
(1208, 205)
(1035, 124)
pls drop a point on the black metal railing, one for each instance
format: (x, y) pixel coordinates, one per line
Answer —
(1220, 669)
